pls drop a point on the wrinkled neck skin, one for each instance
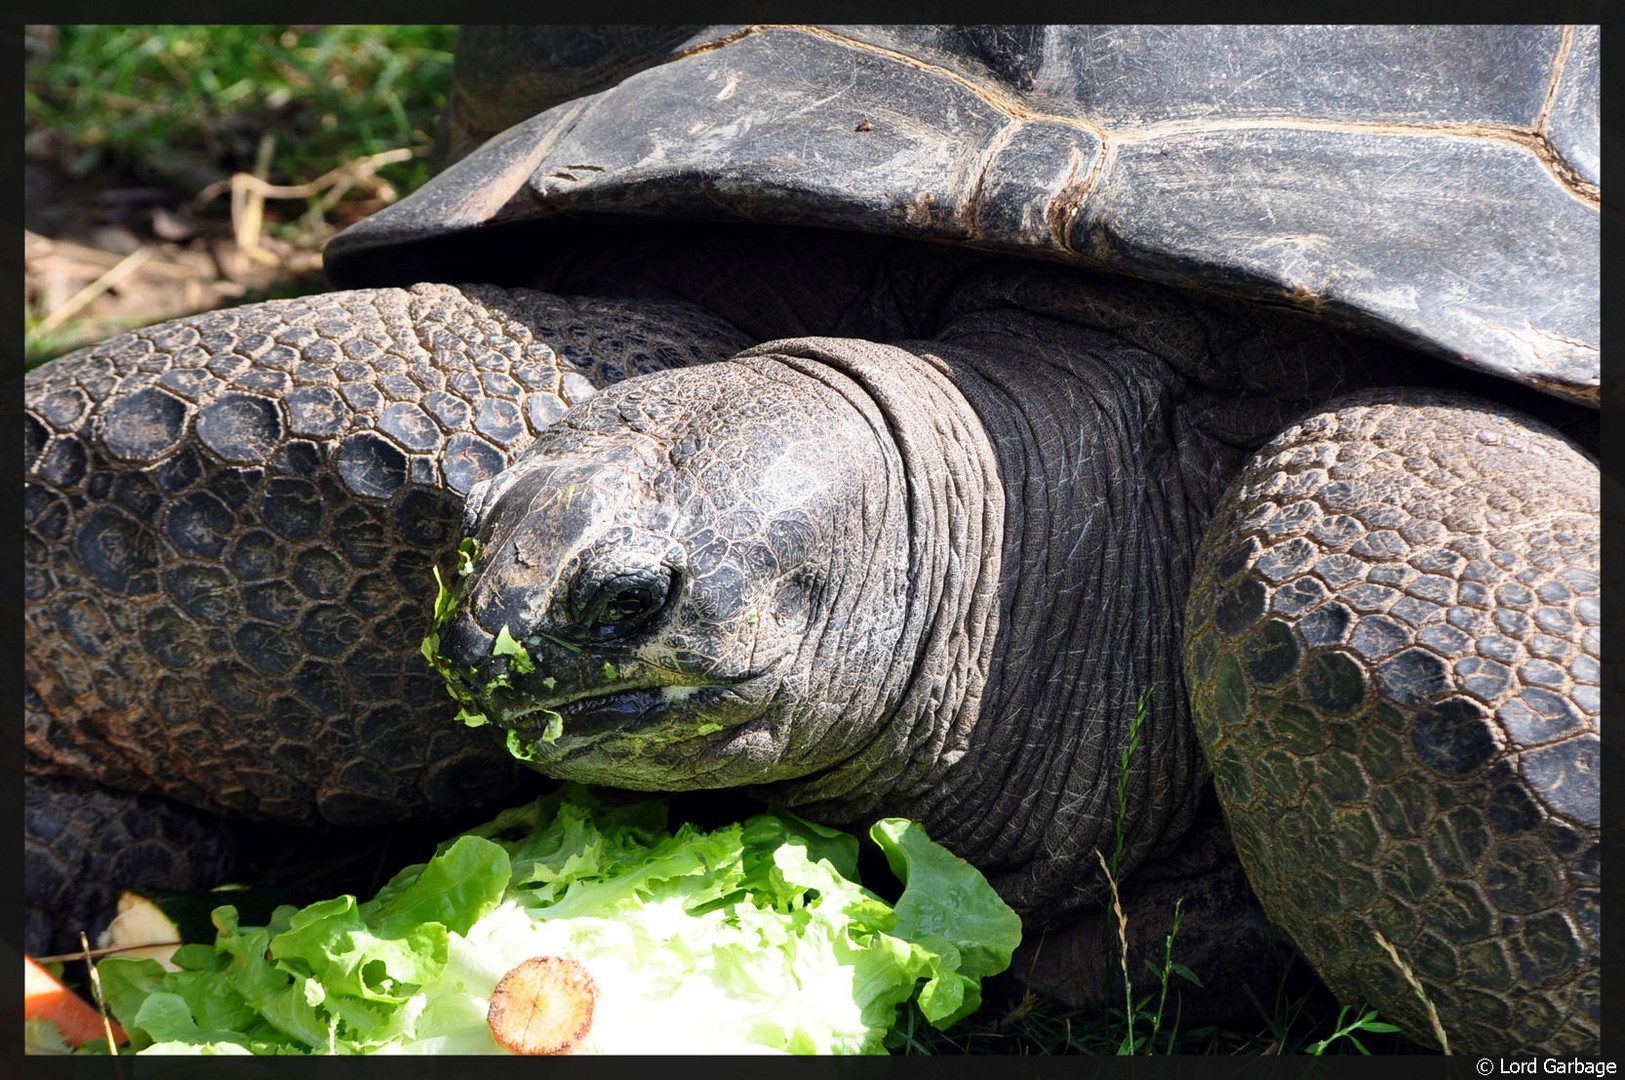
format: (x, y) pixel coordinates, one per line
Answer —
(937, 662)
(1109, 483)
(1054, 545)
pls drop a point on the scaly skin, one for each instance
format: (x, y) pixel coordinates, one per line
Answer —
(1393, 645)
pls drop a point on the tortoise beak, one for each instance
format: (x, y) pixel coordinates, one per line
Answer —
(465, 643)
(505, 642)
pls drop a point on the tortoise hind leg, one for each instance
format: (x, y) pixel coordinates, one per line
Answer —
(82, 843)
(1391, 648)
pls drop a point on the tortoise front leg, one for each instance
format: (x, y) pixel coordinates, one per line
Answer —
(1392, 644)
(230, 522)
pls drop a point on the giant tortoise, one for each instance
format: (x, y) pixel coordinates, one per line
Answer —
(1008, 427)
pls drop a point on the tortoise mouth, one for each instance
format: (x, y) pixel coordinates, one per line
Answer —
(590, 715)
(623, 709)
(653, 737)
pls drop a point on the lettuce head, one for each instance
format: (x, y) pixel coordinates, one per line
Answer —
(754, 937)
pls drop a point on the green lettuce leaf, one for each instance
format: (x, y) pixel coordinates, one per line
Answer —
(949, 908)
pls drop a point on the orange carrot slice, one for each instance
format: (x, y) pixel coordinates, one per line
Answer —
(45, 997)
(542, 1006)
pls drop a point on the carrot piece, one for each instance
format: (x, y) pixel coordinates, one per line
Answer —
(543, 1006)
(44, 996)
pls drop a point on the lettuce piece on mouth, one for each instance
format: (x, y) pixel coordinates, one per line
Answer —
(753, 937)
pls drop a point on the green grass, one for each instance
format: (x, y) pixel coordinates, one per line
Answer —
(148, 99)
(187, 107)
(1014, 1022)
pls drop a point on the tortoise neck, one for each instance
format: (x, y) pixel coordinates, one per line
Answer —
(1108, 485)
(923, 720)
(1056, 490)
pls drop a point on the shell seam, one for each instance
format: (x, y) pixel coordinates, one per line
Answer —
(990, 154)
(1564, 47)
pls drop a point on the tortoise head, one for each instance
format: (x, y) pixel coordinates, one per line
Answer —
(696, 578)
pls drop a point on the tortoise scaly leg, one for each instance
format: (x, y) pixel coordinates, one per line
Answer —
(1392, 649)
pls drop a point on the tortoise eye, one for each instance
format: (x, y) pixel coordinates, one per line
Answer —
(629, 604)
(626, 602)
